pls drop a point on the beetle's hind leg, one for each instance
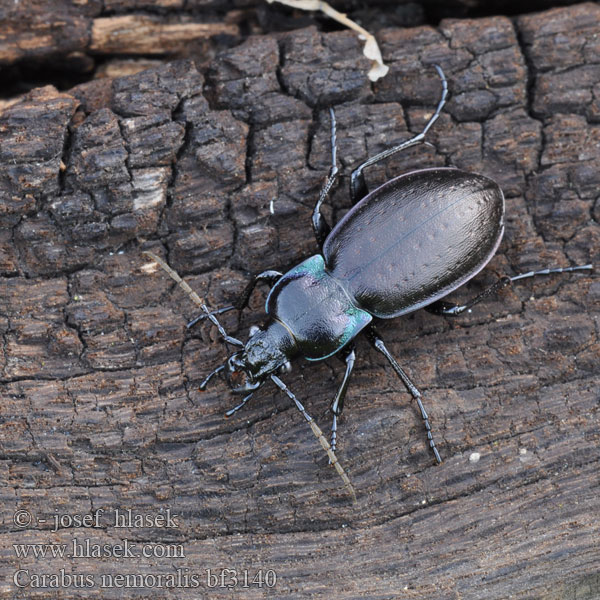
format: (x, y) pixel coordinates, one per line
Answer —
(378, 344)
(450, 309)
(358, 187)
(337, 406)
(269, 277)
(320, 225)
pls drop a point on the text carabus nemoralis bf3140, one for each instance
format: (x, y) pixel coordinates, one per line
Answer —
(404, 246)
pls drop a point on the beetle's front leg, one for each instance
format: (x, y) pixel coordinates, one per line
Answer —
(378, 344)
(337, 406)
(269, 277)
(320, 225)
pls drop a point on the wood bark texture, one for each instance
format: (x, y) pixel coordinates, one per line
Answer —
(217, 170)
(68, 33)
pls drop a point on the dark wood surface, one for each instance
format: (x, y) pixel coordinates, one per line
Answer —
(75, 36)
(99, 380)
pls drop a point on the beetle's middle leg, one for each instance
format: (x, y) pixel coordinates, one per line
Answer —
(378, 344)
(358, 187)
(320, 225)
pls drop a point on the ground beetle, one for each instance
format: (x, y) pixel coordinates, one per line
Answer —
(401, 247)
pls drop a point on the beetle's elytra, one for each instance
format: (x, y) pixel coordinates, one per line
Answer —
(403, 246)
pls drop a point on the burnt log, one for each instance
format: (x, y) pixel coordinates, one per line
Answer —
(69, 36)
(102, 418)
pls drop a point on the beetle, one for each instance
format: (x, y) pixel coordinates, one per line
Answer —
(401, 247)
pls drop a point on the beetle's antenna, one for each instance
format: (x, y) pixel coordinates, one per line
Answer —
(319, 435)
(194, 297)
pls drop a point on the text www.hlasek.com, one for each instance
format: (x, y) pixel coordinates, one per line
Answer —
(85, 548)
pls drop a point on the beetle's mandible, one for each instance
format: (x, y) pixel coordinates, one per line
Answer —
(403, 246)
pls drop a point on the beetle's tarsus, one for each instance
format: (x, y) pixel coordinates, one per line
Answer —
(552, 270)
(193, 296)
(441, 103)
(333, 442)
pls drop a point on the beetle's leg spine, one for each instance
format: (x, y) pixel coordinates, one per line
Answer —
(333, 460)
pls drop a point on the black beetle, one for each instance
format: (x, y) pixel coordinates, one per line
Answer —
(402, 247)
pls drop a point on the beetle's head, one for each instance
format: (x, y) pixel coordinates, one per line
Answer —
(266, 351)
